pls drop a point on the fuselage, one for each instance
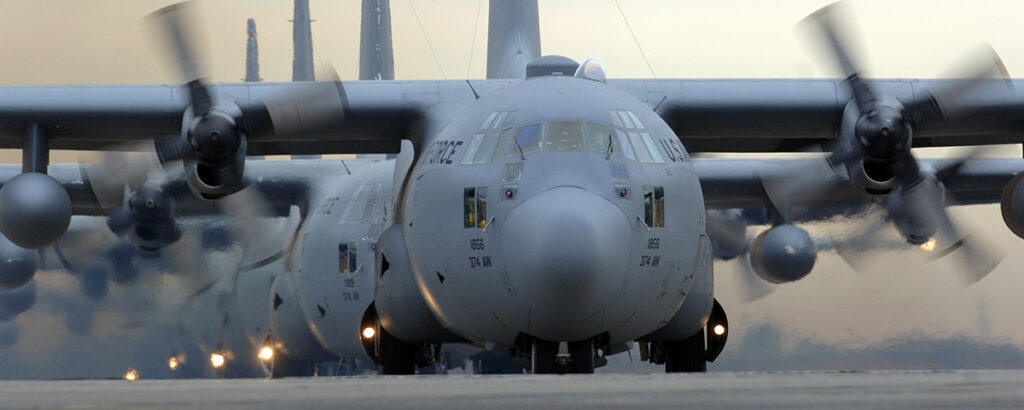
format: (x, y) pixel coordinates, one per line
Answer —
(559, 208)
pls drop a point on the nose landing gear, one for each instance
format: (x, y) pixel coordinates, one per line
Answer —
(547, 357)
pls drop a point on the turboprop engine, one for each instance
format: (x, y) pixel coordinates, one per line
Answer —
(784, 253)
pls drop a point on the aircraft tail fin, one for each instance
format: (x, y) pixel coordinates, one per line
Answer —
(302, 64)
(376, 55)
(252, 55)
(513, 38)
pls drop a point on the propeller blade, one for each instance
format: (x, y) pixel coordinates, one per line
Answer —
(254, 226)
(751, 286)
(804, 184)
(179, 41)
(826, 19)
(987, 75)
(977, 258)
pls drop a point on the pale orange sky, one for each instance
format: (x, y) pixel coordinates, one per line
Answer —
(101, 41)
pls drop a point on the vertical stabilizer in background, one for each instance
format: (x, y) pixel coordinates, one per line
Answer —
(513, 38)
(376, 58)
(302, 64)
(302, 38)
(252, 55)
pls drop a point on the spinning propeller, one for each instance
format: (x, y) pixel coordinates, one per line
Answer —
(874, 147)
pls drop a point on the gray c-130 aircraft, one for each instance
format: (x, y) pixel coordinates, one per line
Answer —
(555, 217)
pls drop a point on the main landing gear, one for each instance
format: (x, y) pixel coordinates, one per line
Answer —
(692, 354)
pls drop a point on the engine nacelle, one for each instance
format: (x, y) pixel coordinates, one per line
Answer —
(215, 181)
(727, 230)
(784, 253)
(17, 265)
(875, 179)
(1012, 205)
(399, 304)
(35, 210)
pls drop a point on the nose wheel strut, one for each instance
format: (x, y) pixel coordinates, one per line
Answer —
(547, 357)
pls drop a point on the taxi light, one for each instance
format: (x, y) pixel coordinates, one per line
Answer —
(131, 375)
(929, 245)
(217, 360)
(719, 330)
(266, 353)
(173, 363)
(368, 333)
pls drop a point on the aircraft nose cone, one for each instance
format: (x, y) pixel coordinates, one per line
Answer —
(567, 250)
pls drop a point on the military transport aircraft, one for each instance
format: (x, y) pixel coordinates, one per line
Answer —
(555, 217)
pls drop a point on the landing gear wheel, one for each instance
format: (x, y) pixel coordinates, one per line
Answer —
(394, 356)
(543, 355)
(582, 353)
(687, 355)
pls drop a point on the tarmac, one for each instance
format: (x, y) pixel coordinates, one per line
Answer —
(953, 389)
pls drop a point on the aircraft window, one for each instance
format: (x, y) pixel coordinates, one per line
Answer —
(486, 150)
(626, 121)
(599, 137)
(513, 171)
(616, 120)
(469, 207)
(347, 257)
(474, 145)
(659, 207)
(488, 121)
(564, 136)
(481, 207)
(654, 206)
(475, 207)
(528, 138)
(642, 154)
(623, 141)
(504, 144)
(499, 120)
(652, 147)
(636, 120)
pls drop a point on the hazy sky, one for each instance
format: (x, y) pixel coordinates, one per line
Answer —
(102, 41)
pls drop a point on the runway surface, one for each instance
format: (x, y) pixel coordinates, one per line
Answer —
(959, 389)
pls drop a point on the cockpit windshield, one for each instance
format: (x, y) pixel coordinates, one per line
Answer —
(626, 136)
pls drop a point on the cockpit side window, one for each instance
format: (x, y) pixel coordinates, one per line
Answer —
(654, 206)
(474, 208)
(641, 142)
(564, 136)
(474, 146)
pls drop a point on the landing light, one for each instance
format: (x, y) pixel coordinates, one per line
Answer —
(173, 363)
(131, 375)
(719, 330)
(217, 360)
(928, 246)
(368, 333)
(266, 353)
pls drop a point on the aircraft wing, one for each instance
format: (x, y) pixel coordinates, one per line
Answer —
(729, 183)
(772, 115)
(371, 116)
(788, 115)
(282, 183)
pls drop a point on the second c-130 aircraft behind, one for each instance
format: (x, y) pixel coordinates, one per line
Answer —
(555, 217)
